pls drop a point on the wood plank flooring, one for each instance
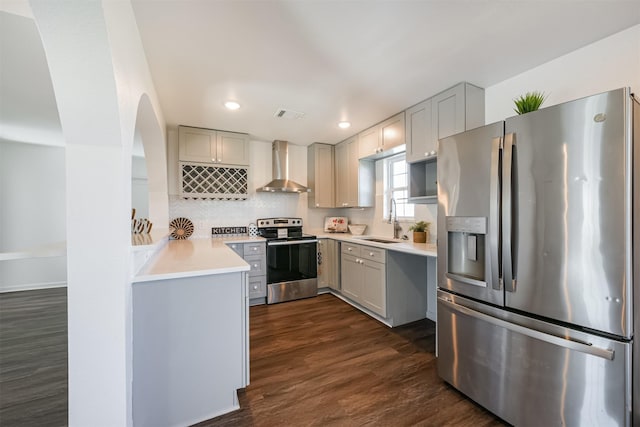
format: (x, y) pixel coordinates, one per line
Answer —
(314, 362)
(33, 358)
(320, 362)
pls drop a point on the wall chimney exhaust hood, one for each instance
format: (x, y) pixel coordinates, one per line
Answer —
(281, 182)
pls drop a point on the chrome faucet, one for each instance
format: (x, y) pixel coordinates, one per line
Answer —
(393, 210)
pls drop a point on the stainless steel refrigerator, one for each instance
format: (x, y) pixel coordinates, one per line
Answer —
(538, 221)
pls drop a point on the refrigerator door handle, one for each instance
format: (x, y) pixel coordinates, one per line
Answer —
(565, 342)
(509, 235)
(494, 215)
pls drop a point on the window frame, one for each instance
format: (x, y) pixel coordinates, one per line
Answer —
(401, 204)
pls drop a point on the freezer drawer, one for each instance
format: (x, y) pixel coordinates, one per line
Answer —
(529, 377)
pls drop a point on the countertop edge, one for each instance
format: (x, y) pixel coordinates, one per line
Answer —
(405, 246)
(195, 260)
(187, 274)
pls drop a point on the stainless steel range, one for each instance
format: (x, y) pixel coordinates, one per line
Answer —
(291, 260)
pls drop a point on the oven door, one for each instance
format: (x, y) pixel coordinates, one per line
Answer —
(291, 260)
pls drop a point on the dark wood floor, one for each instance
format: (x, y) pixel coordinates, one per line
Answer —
(321, 362)
(313, 362)
(33, 358)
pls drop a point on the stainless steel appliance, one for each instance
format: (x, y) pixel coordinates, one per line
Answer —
(280, 168)
(538, 221)
(291, 260)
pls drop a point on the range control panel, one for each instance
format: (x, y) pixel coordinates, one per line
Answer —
(279, 222)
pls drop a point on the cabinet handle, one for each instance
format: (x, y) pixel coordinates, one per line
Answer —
(370, 253)
(255, 287)
(233, 246)
(433, 153)
(317, 205)
(255, 248)
(349, 249)
(255, 265)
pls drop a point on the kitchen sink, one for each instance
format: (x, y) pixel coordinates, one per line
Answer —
(375, 239)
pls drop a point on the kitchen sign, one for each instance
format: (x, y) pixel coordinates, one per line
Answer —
(224, 231)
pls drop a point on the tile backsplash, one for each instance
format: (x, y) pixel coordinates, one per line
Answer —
(206, 214)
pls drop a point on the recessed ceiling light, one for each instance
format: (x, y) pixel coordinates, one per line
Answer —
(231, 105)
(344, 125)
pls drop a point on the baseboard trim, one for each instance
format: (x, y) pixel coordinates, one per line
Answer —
(32, 286)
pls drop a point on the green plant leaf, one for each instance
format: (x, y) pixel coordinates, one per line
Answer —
(528, 102)
(420, 226)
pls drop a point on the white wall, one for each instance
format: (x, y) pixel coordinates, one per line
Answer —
(139, 187)
(607, 64)
(32, 213)
(100, 77)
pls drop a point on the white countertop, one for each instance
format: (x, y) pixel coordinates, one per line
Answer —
(407, 246)
(195, 257)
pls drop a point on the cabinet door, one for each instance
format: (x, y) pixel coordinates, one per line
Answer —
(332, 266)
(392, 132)
(321, 176)
(353, 173)
(342, 174)
(257, 287)
(373, 294)
(351, 277)
(232, 148)
(323, 263)
(447, 112)
(369, 142)
(196, 145)
(420, 142)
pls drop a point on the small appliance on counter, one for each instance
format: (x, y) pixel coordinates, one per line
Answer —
(335, 224)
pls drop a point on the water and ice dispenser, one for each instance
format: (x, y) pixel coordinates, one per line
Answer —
(466, 243)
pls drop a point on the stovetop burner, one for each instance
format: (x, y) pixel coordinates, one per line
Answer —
(282, 228)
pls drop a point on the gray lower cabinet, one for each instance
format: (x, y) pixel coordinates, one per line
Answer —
(328, 264)
(255, 255)
(363, 276)
(394, 285)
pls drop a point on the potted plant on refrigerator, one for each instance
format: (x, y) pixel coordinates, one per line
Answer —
(528, 102)
(420, 231)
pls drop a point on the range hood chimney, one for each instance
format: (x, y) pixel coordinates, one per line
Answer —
(281, 182)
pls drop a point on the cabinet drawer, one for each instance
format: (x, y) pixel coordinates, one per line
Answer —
(258, 287)
(237, 248)
(253, 248)
(350, 249)
(257, 264)
(373, 254)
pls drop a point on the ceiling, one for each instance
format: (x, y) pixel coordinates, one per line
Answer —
(360, 61)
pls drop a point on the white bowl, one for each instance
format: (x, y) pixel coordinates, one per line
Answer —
(357, 229)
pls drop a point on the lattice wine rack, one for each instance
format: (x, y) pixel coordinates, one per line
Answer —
(201, 181)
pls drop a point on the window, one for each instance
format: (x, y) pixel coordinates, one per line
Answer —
(396, 180)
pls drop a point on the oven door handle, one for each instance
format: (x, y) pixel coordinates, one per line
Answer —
(292, 242)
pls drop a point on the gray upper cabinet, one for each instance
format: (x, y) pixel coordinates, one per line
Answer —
(383, 139)
(420, 143)
(355, 179)
(212, 146)
(452, 111)
(320, 175)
